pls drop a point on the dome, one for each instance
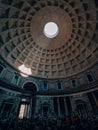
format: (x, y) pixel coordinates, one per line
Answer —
(48, 64)
(72, 51)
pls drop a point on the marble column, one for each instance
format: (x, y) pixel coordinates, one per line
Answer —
(58, 105)
(96, 95)
(93, 103)
(62, 106)
(31, 107)
(66, 110)
(69, 107)
(55, 105)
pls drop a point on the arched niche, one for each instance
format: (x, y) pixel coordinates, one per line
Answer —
(30, 87)
(82, 108)
(31, 105)
(7, 107)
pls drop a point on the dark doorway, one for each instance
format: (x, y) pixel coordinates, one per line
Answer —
(45, 110)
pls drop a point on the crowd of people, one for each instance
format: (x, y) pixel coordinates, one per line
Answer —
(50, 123)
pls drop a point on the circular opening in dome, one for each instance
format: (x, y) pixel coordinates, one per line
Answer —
(51, 30)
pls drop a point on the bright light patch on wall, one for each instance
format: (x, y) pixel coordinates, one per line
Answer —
(21, 113)
(24, 71)
(51, 30)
